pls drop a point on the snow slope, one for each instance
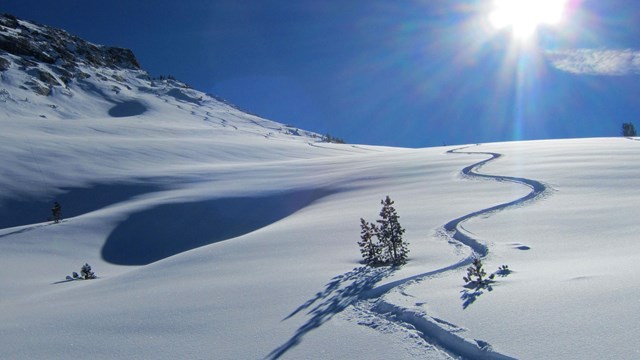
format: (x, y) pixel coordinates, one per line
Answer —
(218, 234)
(220, 258)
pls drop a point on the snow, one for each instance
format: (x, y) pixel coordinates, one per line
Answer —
(218, 234)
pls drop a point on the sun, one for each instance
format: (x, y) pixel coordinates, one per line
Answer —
(523, 17)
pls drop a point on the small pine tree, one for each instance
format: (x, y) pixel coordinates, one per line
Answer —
(331, 139)
(369, 249)
(86, 273)
(388, 248)
(390, 233)
(629, 130)
(56, 211)
(475, 273)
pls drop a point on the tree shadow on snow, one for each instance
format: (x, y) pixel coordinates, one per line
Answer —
(473, 290)
(472, 293)
(170, 229)
(338, 294)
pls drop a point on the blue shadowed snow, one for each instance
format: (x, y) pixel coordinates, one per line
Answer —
(128, 108)
(75, 201)
(167, 230)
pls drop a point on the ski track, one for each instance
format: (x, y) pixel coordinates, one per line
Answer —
(454, 230)
(357, 288)
(437, 331)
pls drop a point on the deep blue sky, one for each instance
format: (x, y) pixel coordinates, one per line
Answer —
(399, 73)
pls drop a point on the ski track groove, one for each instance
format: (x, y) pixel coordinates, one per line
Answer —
(439, 332)
(434, 331)
(454, 230)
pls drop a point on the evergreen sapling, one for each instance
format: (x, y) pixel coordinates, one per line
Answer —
(369, 249)
(390, 233)
(389, 247)
(475, 273)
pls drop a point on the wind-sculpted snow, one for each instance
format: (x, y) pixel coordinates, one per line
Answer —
(180, 95)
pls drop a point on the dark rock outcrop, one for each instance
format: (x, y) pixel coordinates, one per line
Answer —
(4, 64)
(49, 45)
(35, 48)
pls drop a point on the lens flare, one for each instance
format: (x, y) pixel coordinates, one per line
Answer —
(523, 17)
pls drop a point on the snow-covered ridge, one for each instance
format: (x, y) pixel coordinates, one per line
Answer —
(66, 102)
(53, 57)
(48, 73)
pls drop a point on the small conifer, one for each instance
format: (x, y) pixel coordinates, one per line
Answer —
(389, 247)
(629, 130)
(369, 248)
(475, 273)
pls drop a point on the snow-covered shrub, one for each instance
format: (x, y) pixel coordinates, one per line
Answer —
(85, 274)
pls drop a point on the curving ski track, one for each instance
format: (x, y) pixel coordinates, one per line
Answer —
(454, 228)
(357, 288)
(431, 329)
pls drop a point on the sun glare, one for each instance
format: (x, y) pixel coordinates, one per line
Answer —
(523, 17)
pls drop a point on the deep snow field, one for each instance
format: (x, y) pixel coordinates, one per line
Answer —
(220, 235)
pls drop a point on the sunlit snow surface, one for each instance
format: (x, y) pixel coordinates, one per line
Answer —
(218, 234)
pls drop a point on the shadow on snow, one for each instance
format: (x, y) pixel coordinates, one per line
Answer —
(338, 294)
(472, 293)
(74, 201)
(169, 229)
(473, 290)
